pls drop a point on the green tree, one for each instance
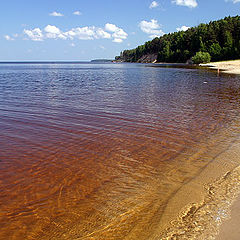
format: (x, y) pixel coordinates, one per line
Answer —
(228, 45)
(186, 55)
(166, 51)
(215, 51)
(201, 57)
(219, 38)
(202, 45)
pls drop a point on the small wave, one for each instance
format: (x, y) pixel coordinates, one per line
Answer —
(202, 221)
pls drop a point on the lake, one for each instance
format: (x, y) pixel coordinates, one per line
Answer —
(115, 151)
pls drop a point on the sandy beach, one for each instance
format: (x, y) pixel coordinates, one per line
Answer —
(230, 228)
(231, 67)
(221, 201)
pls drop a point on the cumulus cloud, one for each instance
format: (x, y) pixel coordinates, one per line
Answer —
(82, 33)
(78, 13)
(154, 4)
(111, 27)
(183, 28)
(56, 14)
(35, 34)
(102, 34)
(87, 33)
(118, 34)
(152, 28)
(53, 32)
(187, 3)
(111, 31)
(8, 38)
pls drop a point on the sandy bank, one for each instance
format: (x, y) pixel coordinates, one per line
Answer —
(210, 197)
(232, 67)
(230, 228)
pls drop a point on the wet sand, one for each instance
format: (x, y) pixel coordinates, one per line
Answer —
(230, 228)
(231, 67)
(205, 202)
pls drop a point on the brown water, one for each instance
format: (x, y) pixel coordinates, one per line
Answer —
(99, 151)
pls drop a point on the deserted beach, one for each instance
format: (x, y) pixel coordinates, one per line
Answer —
(231, 67)
(120, 120)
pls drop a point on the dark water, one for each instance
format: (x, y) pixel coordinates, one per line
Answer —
(95, 151)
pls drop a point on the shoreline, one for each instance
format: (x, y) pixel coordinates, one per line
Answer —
(226, 230)
(211, 196)
(227, 215)
(230, 67)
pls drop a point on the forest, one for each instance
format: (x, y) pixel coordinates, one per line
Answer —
(217, 40)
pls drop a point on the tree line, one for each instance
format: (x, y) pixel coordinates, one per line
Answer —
(220, 40)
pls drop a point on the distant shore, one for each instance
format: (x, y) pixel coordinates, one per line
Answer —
(231, 67)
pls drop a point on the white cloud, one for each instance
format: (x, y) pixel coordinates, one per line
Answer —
(152, 28)
(117, 40)
(234, 1)
(154, 4)
(56, 14)
(102, 34)
(81, 33)
(183, 28)
(87, 33)
(53, 32)
(78, 13)
(70, 34)
(118, 34)
(52, 29)
(187, 3)
(35, 34)
(84, 33)
(72, 45)
(111, 27)
(8, 38)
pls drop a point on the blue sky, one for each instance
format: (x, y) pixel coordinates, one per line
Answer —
(91, 29)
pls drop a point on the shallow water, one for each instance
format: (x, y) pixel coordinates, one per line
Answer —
(97, 151)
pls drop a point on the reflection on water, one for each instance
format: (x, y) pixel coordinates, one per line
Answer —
(95, 151)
